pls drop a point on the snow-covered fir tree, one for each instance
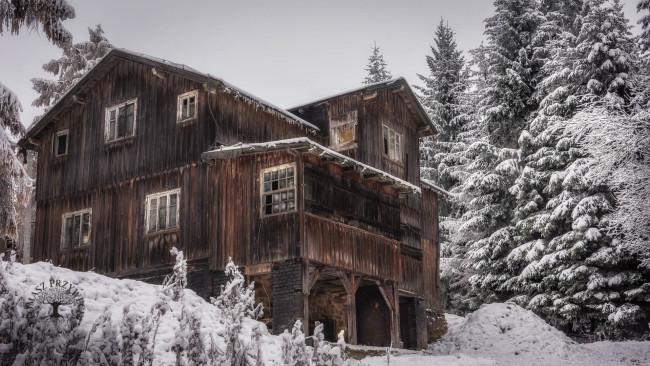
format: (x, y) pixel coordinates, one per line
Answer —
(505, 106)
(376, 68)
(48, 14)
(568, 270)
(76, 61)
(644, 7)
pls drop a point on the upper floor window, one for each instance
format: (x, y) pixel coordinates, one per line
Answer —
(187, 106)
(343, 128)
(120, 120)
(162, 211)
(279, 189)
(392, 144)
(76, 229)
(61, 143)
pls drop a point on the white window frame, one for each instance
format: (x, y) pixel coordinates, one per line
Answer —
(72, 215)
(179, 106)
(148, 210)
(286, 189)
(56, 143)
(107, 122)
(343, 121)
(395, 144)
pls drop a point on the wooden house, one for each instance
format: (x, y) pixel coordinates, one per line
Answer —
(321, 205)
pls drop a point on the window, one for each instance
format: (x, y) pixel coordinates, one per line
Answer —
(187, 104)
(278, 189)
(162, 211)
(61, 143)
(392, 144)
(120, 121)
(343, 128)
(76, 229)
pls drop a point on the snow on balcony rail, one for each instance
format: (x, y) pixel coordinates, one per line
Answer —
(312, 147)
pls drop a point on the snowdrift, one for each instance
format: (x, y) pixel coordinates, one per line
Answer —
(102, 293)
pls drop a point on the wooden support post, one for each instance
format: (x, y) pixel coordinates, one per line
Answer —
(391, 297)
(308, 281)
(351, 284)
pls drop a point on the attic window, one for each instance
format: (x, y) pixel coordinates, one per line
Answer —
(187, 106)
(278, 189)
(343, 129)
(76, 229)
(61, 143)
(162, 211)
(392, 144)
(120, 121)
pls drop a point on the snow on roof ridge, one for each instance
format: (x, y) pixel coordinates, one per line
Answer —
(365, 86)
(306, 140)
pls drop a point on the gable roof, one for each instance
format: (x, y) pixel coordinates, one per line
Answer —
(102, 67)
(425, 126)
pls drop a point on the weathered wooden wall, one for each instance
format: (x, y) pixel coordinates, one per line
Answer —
(160, 143)
(430, 249)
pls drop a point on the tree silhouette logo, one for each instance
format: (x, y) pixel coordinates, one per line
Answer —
(55, 307)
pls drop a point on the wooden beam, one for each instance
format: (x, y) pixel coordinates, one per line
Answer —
(369, 96)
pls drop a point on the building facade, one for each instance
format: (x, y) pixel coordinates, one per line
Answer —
(321, 205)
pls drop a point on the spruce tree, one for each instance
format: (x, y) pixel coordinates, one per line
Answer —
(506, 104)
(645, 22)
(571, 272)
(376, 68)
(76, 61)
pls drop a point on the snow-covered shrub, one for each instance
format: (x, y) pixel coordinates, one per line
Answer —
(175, 284)
(103, 348)
(294, 348)
(235, 302)
(13, 321)
(324, 354)
(196, 354)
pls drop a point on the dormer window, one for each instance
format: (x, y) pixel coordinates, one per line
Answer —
(120, 121)
(187, 106)
(392, 144)
(61, 143)
(343, 129)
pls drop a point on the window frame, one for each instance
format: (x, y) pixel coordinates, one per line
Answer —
(396, 151)
(147, 207)
(263, 194)
(343, 121)
(55, 143)
(107, 121)
(179, 106)
(72, 215)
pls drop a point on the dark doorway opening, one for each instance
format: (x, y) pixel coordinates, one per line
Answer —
(407, 322)
(373, 317)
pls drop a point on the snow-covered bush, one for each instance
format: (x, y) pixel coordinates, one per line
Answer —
(13, 320)
(294, 348)
(175, 284)
(324, 354)
(235, 302)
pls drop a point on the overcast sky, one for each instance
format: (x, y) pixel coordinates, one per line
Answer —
(286, 52)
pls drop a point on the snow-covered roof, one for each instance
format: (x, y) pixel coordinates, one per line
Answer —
(369, 88)
(430, 185)
(259, 103)
(239, 149)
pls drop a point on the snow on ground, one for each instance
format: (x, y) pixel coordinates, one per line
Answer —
(496, 334)
(101, 293)
(506, 334)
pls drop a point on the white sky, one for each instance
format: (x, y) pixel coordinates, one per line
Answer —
(287, 52)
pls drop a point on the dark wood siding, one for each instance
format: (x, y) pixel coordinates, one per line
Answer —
(430, 249)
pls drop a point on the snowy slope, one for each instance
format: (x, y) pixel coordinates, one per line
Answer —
(101, 293)
(506, 334)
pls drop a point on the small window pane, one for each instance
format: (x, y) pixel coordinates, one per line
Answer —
(85, 229)
(172, 210)
(153, 214)
(129, 125)
(76, 231)
(267, 187)
(283, 173)
(162, 213)
(267, 177)
(192, 110)
(67, 240)
(111, 128)
(290, 172)
(121, 125)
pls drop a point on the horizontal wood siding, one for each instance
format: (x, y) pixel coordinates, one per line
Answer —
(350, 249)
